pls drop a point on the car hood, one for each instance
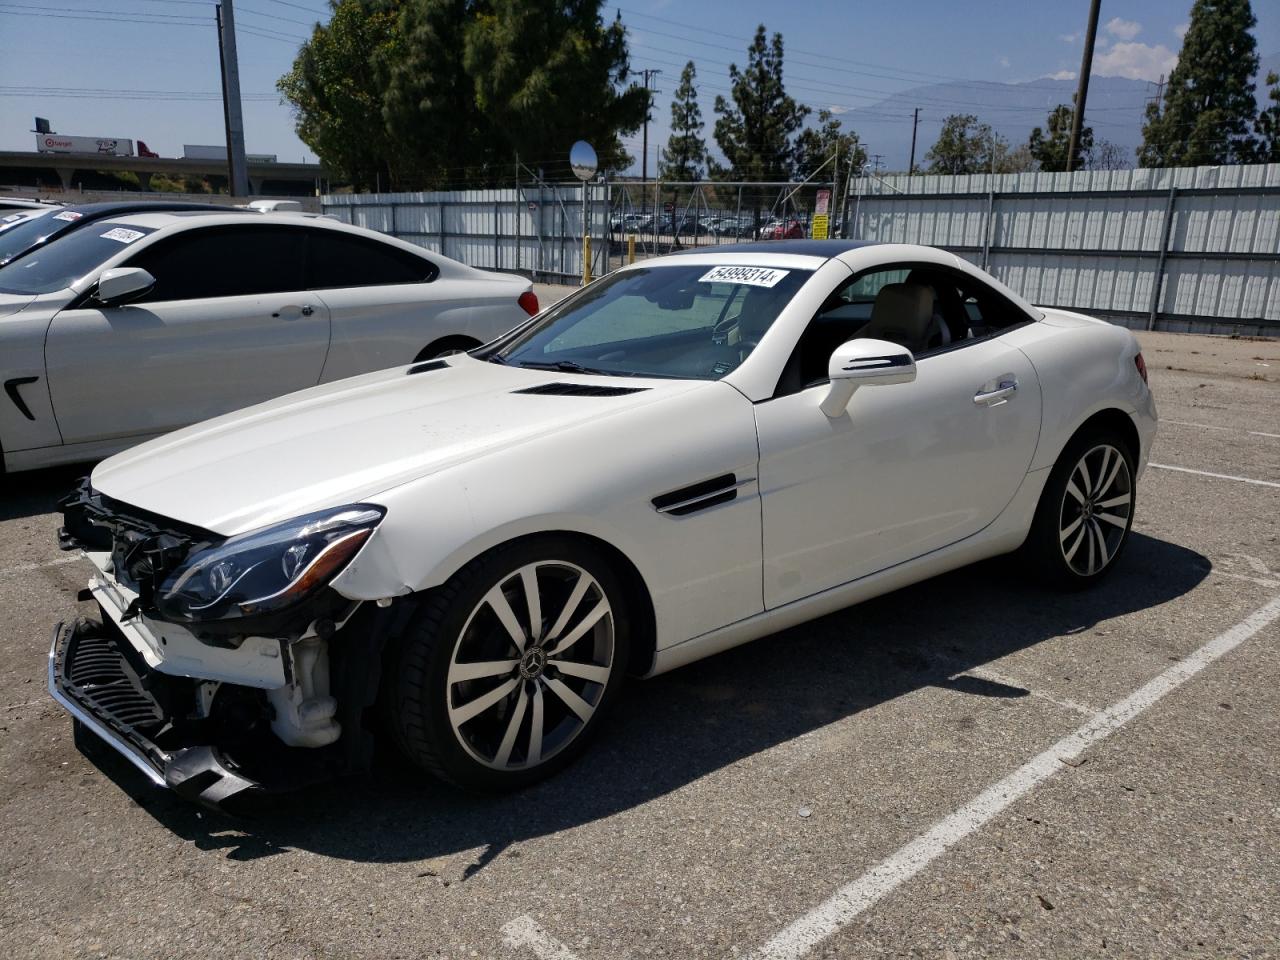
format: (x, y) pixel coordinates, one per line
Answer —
(349, 441)
(11, 303)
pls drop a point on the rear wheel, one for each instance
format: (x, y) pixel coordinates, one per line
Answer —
(507, 669)
(1086, 511)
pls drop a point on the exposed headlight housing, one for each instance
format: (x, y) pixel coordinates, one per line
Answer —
(267, 570)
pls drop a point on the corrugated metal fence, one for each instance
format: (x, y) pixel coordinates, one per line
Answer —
(1192, 249)
(534, 229)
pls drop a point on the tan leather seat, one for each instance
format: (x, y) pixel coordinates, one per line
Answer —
(902, 314)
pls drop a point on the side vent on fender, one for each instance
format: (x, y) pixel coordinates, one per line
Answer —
(579, 390)
(426, 367)
(701, 495)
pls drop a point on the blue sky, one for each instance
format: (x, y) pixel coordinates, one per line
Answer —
(147, 69)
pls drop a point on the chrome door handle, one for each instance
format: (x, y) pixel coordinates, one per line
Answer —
(1005, 388)
(306, 310)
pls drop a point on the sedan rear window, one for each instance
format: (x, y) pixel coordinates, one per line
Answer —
(690, 322)
(63, 261)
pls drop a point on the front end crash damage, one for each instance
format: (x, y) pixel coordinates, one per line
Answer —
(220, 666)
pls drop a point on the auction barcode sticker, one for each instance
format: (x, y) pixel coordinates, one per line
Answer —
(68, 215)
(123, 235)
(751, 276)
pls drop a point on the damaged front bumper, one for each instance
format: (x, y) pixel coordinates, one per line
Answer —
(107, 688)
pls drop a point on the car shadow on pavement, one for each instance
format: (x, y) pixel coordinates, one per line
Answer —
(677, 728)
(38, 491)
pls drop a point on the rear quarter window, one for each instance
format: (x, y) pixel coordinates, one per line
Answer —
(337, 259)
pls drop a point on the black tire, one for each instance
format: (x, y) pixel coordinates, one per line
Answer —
(417, 693)
(1048, 550)
(445, 347)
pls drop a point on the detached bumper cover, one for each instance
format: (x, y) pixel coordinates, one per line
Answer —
(93, 677)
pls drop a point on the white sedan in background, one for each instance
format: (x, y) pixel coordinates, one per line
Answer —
(148, 321)
(688, 454)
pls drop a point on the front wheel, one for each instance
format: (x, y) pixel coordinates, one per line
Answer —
(1085, 513)
(507, 669)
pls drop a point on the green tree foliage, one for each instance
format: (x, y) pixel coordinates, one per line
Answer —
(424, 93)
(429, 103)
(686, 151)
(1209, 104)
(1267, 126)
(815, 146)
(967, 145)
(549, 72)
(1050, 146)
(755, 132)
(335, 88)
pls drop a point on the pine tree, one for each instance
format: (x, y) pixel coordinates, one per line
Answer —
(686, 151)
(1050, 147)
(755, 131)
(1209, 104)
(1267, 126)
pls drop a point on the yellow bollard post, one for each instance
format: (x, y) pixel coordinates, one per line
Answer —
(586, 260)
(631, 248)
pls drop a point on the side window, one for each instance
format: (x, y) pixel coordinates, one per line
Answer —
(224, 262)
(339, 259)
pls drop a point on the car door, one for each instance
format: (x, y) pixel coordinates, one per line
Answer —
(228, 324)
(908, 469)
(385, 302)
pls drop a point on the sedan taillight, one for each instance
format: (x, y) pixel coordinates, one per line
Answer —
(529, 303)
(1142, 367)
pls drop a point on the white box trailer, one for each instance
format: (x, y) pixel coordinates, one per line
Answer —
(208, 151)
(60, 143)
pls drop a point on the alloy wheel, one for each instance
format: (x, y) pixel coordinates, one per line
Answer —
(530, 665)
(1096, 509)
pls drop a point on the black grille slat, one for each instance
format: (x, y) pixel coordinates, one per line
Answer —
(101, 677)
(560, 389)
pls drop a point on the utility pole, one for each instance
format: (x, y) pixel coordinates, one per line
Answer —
(877, 161)
(238, 182)
(911, 170)
(644, 159)
(1082, 91)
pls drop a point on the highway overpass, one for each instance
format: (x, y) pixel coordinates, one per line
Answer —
(304, 178)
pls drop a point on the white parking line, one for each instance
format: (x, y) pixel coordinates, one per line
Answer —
(524, 932)
(1201, 426)
(854, 898)
(32, 567)
(1260, 433)
(1217, 476)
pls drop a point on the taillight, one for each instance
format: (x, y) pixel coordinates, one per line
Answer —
(1142, 367)
(529, 303)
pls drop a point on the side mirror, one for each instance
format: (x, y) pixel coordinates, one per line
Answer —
(864, 363)
(122, 284)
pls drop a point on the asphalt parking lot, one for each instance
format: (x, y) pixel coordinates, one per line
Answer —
(969, 767)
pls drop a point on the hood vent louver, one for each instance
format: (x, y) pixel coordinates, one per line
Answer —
(579, 390)
(426, 367)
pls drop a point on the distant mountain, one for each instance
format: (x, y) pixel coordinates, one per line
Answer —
(1114, 111)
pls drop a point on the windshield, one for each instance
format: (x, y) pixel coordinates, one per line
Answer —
(695, 322)
(61, 262)
(18, 237)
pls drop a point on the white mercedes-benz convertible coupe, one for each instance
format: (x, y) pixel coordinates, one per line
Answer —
(468, 554)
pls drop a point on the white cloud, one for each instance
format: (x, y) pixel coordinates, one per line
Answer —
(1137, 61)
(838, 108)
(1004, 62)
(1124, 29)
(1069, 37)
(1181, 30)
(1060, 75)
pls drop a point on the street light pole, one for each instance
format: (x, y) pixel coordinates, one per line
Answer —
(1082, 90)
(238, 182)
